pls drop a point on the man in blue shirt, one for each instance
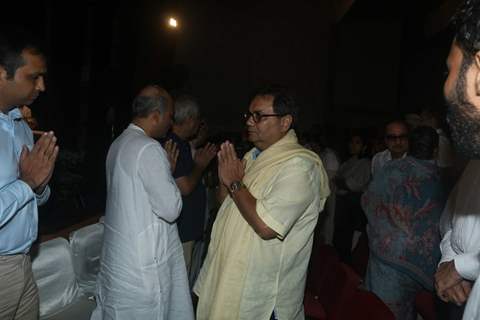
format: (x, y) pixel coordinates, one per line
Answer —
(188, 173)
(25, 169)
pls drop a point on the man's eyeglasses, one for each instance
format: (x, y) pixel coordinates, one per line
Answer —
(392, 137)
(257, 116)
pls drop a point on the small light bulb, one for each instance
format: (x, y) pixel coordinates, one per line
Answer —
(172, 22)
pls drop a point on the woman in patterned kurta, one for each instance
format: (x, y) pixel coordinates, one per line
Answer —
(403, 205)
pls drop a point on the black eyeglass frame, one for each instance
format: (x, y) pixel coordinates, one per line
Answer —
(257, 116)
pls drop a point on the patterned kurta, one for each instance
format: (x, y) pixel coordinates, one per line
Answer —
(403, 205)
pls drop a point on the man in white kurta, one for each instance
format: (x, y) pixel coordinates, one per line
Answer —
(460, 263)
(142, 273)
(262, 237)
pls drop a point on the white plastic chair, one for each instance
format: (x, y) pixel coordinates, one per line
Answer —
(86, 245)
(52, 266)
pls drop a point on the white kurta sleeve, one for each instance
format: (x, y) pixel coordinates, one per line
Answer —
(154, 171)
(468, 265)
(446, 248)
(291, 193)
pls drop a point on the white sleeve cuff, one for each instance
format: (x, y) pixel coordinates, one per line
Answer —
(43, 197)
(468, 265)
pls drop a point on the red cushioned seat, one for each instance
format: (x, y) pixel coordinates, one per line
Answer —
(425, 305)
(365, 305)
(313, 308)
(323, 260)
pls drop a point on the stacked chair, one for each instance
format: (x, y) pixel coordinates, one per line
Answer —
(65, 272)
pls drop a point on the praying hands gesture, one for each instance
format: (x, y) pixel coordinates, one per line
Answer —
(230, 168)
(36, 166)
(204, 155)
(172, 154)
(450, 286)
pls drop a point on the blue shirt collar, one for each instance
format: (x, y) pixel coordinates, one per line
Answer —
(256, 153)
(6, 120)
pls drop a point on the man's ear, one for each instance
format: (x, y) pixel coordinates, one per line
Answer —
(3, 74)
(156, 116)
(286, 122)
(477, 74)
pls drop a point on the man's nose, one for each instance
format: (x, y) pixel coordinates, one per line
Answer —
(249, 121)
(40, 85)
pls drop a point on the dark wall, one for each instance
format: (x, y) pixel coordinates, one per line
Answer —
(229, 50)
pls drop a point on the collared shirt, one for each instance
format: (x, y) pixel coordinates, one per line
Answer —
(191, 221)
(380, 159)
(18, 202)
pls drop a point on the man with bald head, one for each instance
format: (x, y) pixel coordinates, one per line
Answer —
(396, 140)
(142, 271)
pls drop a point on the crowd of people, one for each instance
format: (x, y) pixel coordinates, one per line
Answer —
(413, 199)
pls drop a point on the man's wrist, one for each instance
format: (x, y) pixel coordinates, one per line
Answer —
(235, 186)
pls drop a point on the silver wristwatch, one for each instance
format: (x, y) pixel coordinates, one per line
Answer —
(235, 186)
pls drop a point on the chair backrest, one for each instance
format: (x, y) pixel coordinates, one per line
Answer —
(426, 305)
(52, 266)
(323, 261)
(338, 288)
(86, 244)
(365, 305)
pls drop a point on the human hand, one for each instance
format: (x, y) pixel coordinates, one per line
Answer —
(230, 168)
(204, 155)
(446, 277)
(36, 166)
(172, 153)
(457, 294)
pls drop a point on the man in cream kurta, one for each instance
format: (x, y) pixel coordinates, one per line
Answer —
(262, 237)
(142, 273)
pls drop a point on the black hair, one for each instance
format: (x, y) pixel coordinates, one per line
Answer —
(13, 41)
(423, 142)
(283, 101)
(362, 135)
(467, 23)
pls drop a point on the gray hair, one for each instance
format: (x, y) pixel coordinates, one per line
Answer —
(185, 107)
(142, 106)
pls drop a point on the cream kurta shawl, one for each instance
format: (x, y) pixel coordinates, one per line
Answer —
(246, 277)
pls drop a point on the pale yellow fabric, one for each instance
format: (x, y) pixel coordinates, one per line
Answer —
(246, 277)
(187, 253)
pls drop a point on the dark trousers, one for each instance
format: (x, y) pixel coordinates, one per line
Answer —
(448, 311)
(349, 217)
